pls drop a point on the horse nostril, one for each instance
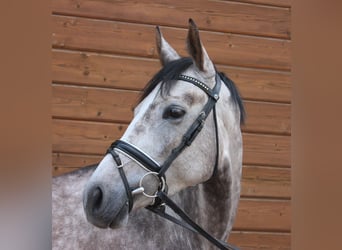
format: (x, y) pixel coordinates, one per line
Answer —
(95, 206)
(97, 198)
(94, 200)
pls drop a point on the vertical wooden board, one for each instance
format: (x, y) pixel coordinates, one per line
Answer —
(263, 215)
(260, 240)
(138, 40)
(269, 182)
(209, 15)
(270, 150)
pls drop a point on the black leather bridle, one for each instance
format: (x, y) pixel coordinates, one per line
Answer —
(153, 168)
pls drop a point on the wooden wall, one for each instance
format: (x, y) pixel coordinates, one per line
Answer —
(103, 53)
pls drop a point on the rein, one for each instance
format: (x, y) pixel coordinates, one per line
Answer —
(161, 199)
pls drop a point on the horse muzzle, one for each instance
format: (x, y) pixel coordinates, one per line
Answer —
(105, 208)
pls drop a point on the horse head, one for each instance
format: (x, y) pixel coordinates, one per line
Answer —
(171, 108)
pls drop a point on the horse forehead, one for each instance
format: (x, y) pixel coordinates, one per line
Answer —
(209, 80)
(186, 92)
(147, 101)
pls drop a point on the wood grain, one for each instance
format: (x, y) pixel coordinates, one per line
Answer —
(260, 240)
(138, 40)
(104, 53)
(277, 3)
(103, 70)
(261, 85)
(209, 15)
(257, 181)
(265, 117)
(112, 71)
(89, 103)
(57, 171)
(269, 182)
(94, 138)
(74, 161)
(270, 150)
(98, 104)
(84, 137)
(263, 215)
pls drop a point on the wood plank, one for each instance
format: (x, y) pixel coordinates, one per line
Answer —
(269, 150)
(263, 117)
(277, 3)
(268, 182)
(74, 161)
(64, 163)
(102, 70)
(257, 181)
(209, 15)
(97, 104)
(94, 138)
(112, 71)
(260, 240)
(261, 85)
(93, 103)
(57, 171)
(263, 215)
(138, 40)
(84, 137)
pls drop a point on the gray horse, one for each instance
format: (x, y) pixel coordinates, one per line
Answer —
(207, 192)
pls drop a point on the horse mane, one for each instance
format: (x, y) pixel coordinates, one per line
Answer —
(237, 100)
(173, 69)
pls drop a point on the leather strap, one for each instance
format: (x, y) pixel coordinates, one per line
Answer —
(137, 154)
(213, 93)
(118, 162)
(187, 222)
(197, 126)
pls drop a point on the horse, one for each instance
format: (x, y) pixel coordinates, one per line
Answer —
(184, 142)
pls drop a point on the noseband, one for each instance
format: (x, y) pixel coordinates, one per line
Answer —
(160, 198)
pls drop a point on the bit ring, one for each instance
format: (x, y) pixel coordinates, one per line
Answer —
(161, 187)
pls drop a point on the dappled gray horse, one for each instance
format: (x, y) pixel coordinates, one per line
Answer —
(184, 144)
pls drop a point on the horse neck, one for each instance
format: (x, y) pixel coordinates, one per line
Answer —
(228, 178)
(207, 205)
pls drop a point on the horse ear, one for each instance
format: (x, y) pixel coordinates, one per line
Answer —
(165, 51)
(197, 51)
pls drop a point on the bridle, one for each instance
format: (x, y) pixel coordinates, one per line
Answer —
(158, 171)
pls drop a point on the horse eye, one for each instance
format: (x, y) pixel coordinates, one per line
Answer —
(173, 112)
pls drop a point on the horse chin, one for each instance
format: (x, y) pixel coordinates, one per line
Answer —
(120, 219)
